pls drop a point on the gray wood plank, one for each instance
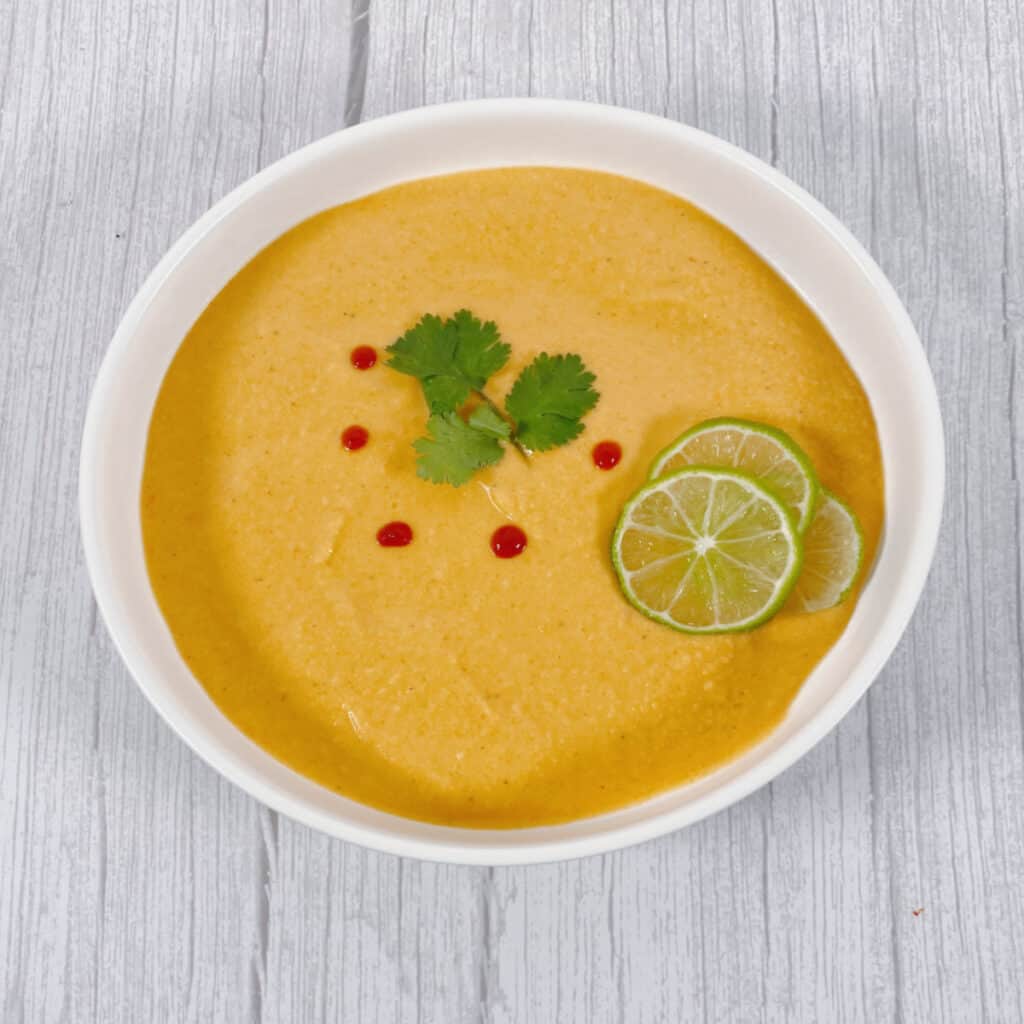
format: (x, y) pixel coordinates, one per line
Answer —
(799, 903)
(132, 879)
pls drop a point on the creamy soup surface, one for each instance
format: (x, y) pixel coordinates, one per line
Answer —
(435, 680)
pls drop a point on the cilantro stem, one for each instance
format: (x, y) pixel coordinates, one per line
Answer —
(498, 411)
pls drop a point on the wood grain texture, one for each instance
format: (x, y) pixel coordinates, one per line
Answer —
(132, 879)
(136, 885)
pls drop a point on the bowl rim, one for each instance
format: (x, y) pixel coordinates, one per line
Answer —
(457, 845)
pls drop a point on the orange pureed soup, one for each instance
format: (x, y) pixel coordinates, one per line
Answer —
(435, 680)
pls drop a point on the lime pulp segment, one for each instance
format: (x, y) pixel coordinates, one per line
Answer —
(768, 454)
(707, 550)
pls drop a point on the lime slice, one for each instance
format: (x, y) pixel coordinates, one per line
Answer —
(707, 550)
(768, 454)
(833, 553)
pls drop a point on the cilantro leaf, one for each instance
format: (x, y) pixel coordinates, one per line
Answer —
(453, 450)
(484, 418)
(481, 353)
(549, 399)
(450, 358)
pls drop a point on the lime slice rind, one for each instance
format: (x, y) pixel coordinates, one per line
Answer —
(833, 556)
(676, 572)
(767, 453)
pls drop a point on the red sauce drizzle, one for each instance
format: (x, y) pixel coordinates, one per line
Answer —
(364, 357)
(355, 437)
(508, 541)
(394, 535)
(607, 454)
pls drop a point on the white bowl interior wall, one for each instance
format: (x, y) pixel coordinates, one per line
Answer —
(804, 243)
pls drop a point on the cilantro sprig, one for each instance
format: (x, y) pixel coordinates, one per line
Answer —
(453, 359)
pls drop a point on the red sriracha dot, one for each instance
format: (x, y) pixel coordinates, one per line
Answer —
(353, 438)
(607, 454)
(394, 535)
(508, 541)
(364, 357)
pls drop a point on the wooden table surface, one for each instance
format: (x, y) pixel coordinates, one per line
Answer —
(880, 879)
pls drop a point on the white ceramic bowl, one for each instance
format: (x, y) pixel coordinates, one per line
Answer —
(804, 243)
